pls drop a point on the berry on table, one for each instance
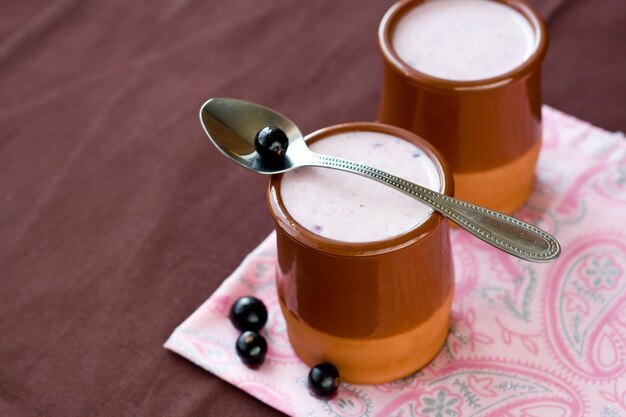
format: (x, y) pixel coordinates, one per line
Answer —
(271, 144)
(324, 379)
(251, 348)
(248, 313)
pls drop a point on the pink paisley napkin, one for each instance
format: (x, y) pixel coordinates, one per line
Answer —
(526, 339)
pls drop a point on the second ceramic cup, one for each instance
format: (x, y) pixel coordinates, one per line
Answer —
(465, 92)
(364, 275)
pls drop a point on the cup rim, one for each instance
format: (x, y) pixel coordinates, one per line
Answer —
(300, 234)
(393, 15)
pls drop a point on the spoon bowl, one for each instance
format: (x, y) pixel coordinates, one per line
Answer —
(233, 124)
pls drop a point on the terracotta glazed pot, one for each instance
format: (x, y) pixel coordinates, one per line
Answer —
(376, 310)
(489, 130)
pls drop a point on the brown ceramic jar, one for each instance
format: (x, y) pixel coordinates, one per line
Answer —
(488, 130)
(376, 310)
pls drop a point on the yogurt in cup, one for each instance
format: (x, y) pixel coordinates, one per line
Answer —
(465, 75)
(364, 273)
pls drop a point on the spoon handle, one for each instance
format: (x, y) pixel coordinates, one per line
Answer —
(504, 232)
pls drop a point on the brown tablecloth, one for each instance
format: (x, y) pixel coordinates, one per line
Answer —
(118, 218)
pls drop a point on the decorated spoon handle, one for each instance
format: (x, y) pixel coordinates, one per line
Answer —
(504, 232)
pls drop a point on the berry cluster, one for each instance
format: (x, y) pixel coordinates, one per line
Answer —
(249, 315)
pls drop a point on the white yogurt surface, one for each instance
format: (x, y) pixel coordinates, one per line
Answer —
(463, 39)
(347, 207)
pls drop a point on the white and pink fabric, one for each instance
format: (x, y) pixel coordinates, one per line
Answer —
(525, 340)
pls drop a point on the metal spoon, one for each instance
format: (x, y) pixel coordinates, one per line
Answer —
(232, 125)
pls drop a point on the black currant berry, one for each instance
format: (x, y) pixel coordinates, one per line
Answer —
(271, 144)
(251, 348)
(248, 313)
(324, 380)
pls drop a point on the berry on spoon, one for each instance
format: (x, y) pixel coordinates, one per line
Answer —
(271, 144)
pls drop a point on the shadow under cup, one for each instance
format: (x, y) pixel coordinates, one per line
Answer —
(489, 130)
(377, 310)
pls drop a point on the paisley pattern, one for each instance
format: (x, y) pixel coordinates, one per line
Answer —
(584, 325)
(266, 391)
(485, 387)
(526, 340)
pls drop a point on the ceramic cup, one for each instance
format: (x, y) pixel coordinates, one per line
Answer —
(377, 310)
(488, 130)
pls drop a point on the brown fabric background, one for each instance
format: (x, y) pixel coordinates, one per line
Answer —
(118, 218)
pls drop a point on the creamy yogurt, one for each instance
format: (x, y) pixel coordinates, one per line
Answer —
(347, 207)
(463, 40)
